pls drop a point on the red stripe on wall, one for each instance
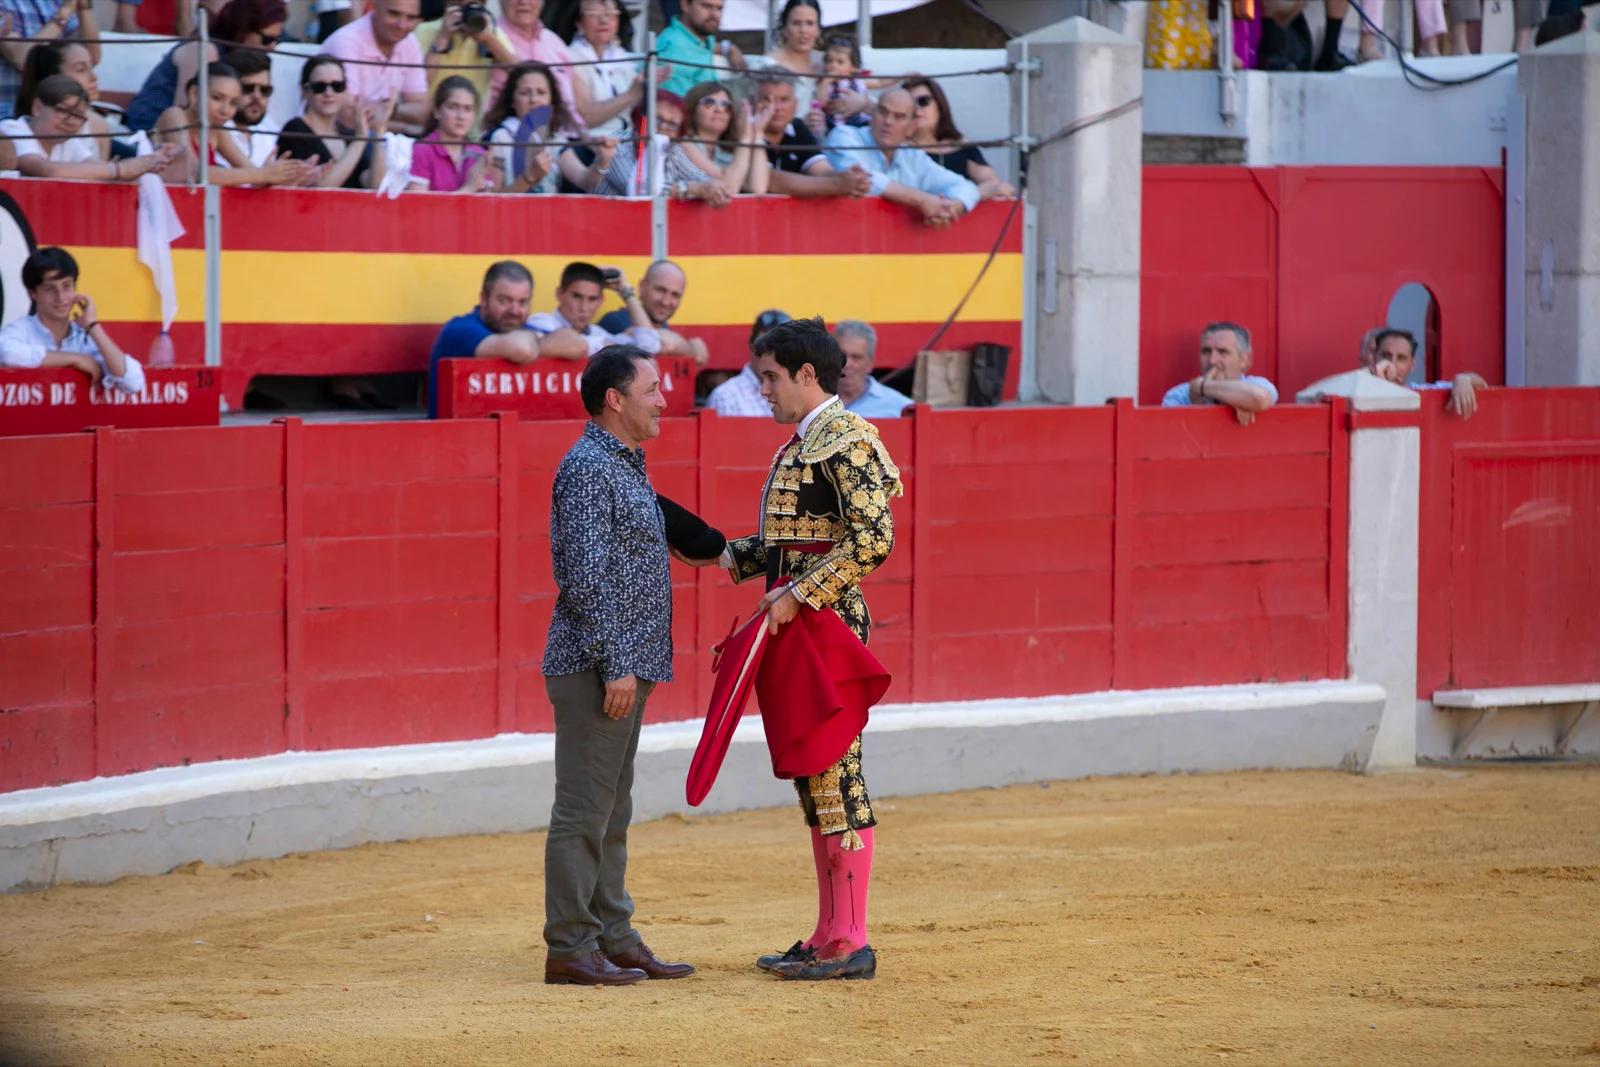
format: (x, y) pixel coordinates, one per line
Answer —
(97, 213)
(781, 226)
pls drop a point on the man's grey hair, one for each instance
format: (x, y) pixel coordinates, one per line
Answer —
(1238, 331)
(859, 330)
(755, 79)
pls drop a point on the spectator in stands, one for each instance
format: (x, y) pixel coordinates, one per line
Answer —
(253, 132)
(27, 23)
(73, 60)
(570, 332)
(675, 174)
(798, 165)
(453, 47)
(605, 93)
(859, 391)
(842, 98)
(935, 132)
(46, 144)
(1224, 376)
(65, 329)
(900, 173)
(716, 138)
(1466, 26)
(1397, 358)
(252, 23)
(740, 396)
(690, 45)
(1527, 14)
(443, 161)
(384, 61)
(795, 50)
(531, 86)
(495, 329)
(532, 42)
(660, 292)
(180, 127)
(348, 160)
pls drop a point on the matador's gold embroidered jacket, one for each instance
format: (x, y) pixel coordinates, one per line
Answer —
(833, 486)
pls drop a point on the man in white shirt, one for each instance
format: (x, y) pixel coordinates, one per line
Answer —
(740, 396)
(254, 133)
(570, 332)
(66, 331)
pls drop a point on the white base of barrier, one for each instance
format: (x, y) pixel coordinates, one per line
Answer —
(1525, 728)
(236, 810)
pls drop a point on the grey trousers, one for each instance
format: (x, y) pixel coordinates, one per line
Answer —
(586, 904)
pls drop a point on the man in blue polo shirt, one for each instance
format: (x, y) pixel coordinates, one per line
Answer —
(1225, 376)
(495, 329)
(859, 391)
(690, 39)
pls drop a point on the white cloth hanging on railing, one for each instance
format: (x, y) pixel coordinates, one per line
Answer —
(397, 152)
(158, 226)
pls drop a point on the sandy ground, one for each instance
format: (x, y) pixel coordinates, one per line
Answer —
(1441, 917)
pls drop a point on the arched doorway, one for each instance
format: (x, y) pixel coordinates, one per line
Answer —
(1413, 308)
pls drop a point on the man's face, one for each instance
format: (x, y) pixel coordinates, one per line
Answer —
(703, 16)
(254, 92)
(785, 393)
(661, 292)
(55, 295)
(857, 366)
(779, 96)
(523, 14)
(579, 303)
(641, 404)
(503, 307)
(1400, 357)
(1220, 356)
(893, 119)
(393, 20)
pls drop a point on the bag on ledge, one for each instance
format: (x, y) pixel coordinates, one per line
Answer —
(988, 378)
(942, 378)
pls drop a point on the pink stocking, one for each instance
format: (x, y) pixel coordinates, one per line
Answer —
(843, 877)
(819, 856)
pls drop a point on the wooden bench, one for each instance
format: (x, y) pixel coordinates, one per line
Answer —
(1487, 702)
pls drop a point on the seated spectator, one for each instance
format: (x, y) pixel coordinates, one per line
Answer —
(65, 329)
(495, 329)
(689, 44)
(715, 137)
(675, 175)
(45, 144)
(842, 98)
(570, 332)
(605, 93)
(251, 23)
(660, 292)
(1224, 378)
(383, 61)
(73, 60)
(532, 42)
(253, 132)
(1397, 358)
(900, 173)
(859, 391)
(25, 24)
(740, 396)
(798, 165)
(453, 47)
(531, 86)
(443, 161)
(935, 131)
(348, 160)
(180, 127)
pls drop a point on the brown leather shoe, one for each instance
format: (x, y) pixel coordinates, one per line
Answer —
(593, 969)
(641, 958)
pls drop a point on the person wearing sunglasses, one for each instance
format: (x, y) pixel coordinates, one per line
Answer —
(934, 131)
(251, 129)
(717, 137)
(351, 156)
(256, 24)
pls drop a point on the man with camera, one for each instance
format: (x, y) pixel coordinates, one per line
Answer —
(570, 332)
(467, 42)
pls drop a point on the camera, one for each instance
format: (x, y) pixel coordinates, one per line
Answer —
(474, 17)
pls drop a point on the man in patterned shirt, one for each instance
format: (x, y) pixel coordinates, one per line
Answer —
(826, 525)
(610, 644)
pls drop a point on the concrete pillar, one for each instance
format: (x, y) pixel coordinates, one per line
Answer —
(1385, 480)
(1085, 190)
(1561, 84)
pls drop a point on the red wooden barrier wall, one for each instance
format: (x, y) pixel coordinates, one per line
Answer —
(1509, 572)
(175, 596)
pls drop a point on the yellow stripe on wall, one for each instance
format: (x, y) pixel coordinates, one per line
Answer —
(361, 288)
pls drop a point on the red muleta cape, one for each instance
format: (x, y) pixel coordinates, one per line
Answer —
(815, 681)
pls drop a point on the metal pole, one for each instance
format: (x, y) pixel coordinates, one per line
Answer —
(1227, 80)
(1516, 281)
(203, 101)
(650, 122)
(864, 24)
(212, 205)
(1407, 43)
(1028, 374)
(772, 18)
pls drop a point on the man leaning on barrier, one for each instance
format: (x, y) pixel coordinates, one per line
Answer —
(65, 329)
(1224, 376)
(495, 329)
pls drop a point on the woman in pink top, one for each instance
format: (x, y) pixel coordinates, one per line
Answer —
(442, 162)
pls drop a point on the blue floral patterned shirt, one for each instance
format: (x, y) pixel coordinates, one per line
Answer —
(608, 548)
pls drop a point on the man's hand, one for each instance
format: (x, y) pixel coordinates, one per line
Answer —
(697, 348)
(817, 123)
(781, 606)
(605, 150)
(620, 695)
(90, 366)
(1463, 396)
(1244, 416)
(735, 57)
(847, 104)
(714, 192)
(84, 311)
(854, 181)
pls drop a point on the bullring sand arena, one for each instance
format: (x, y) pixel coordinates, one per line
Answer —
(1443, 916)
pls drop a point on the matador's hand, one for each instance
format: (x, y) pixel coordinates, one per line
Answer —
(781, 606)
